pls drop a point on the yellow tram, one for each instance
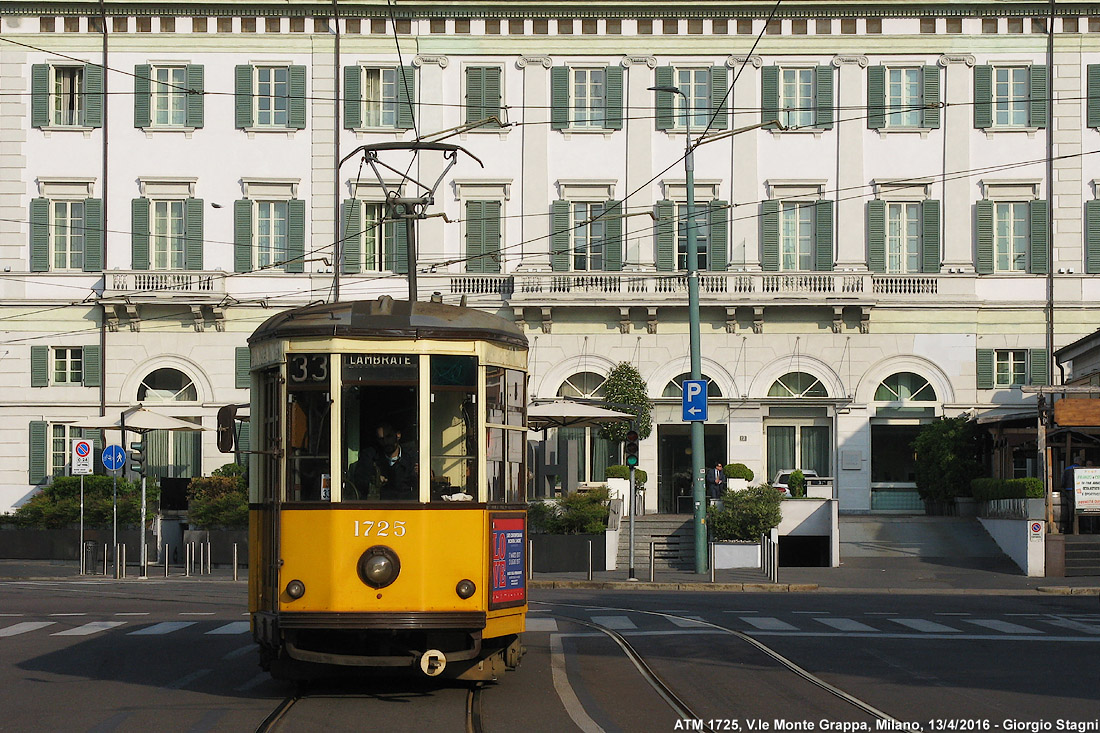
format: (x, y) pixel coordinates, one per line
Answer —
(387, 489)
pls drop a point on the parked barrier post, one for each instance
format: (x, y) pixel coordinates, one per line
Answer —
(652, 559)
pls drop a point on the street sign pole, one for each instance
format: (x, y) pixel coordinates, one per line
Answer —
(83, 569)
(114, 520)
(82, 465)
(114, 458)
(141, 533)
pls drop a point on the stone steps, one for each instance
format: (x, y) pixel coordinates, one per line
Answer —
(675, 543)
(1082, 556)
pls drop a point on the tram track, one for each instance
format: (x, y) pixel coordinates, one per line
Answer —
(677, 704)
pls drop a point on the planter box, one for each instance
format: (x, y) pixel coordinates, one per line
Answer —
(737, 484)
(819, 492)
(966, 506)
(564, 553)
(729, 555)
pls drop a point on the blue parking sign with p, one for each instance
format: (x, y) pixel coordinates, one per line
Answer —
(695, 400)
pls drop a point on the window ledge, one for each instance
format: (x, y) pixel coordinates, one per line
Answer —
(157, 129)
(815, 131)
(50, 129)
(362, 133)
(991, 132)
(570, 131)
(502, 132)
(253, 131)
(887, 131)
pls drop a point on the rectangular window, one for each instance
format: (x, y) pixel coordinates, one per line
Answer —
(1010, 367)
(1011, 87)
(167, 235)
(67, 235)
(796, 97)
(272, 228)
(796, 238)
(589, 97)
(68, 365)
(588, 236)
(695, 84)
(379, 97)
(272, 96)
(701, 226)
(903, 97)
(169, 89)
(377, 239)
(68, 95)
(903, 238)
(1011, 233)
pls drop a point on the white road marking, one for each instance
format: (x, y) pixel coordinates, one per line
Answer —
(814, 613)
(196, 613)
(614, 622)
(565, 692)
(134, 613)
(68, 614)
(769, 624)
(187, 679)
(24, 627)
(956, 636)
(1066, 623)
(233, 627)
(239, 652)
(921, 624)
(93, 627)
(256, 681)
(1005, 627)
(880, 613)
(690, 622)
(951, 613)
(166, 627)
(11, 615)
(845, 624)
(542, 624)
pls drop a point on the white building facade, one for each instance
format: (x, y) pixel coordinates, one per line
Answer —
(881, 257)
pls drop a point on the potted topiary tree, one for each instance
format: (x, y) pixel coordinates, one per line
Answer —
(738, 476)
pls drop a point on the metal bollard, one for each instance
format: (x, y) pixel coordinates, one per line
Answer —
(711, 560)
(530, 559)
(590, 559)
(202, 564)
(209, 558)
(166, 556)
(104, 561)
(124, 561)
(187, 560)
(652, 559)
(234, 561)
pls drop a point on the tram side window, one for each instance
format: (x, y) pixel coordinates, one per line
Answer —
(454, 428)
(308, 456)
(506, 403)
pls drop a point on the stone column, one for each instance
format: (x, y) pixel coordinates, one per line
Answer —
(956, 192)
(535, 187)
(851, 252)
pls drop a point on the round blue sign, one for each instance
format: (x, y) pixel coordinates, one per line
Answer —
(114, 457)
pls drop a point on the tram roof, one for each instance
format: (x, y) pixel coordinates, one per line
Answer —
(389, 318)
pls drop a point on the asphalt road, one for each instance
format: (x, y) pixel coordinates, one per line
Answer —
(80, 655)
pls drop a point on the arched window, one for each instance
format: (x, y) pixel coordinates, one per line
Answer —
(167, 385)
(798, 384)
(905, 387)
(675, 388)
(583, 385)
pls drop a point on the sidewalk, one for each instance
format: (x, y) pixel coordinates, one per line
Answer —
(68, 570)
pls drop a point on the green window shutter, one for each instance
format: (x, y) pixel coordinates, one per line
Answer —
(40, 235)
(93, 366)
(1093, 92)
(559, 97)
(401, 245)
(243, 88)
(353, 97)
(139, 234)
(769, 94)
(93, 95)
(492, 94)
(930, 236)
(613, 112)
(296, 235)
(983, 97)
(40, 95)
(1037, 247)
(242, 235)
(244, 440)
(475, 93)
(983, 213)
(242, 362)
(1092, 237)
(93, 235)
(664, 100)
(984, 358)
(40, 366)
(613, 236)
(719, 100)
(475, 237)
(823, 78)
(1040, 366)
(876, 97)
(143, 115)
(192, 227)
(353, 236)
(823, 235)
(490, 232)
(769, 236)
(719, 235)
(666, 236)
(406, 97)
(561, 234)
(876, 235)
(196, 97)
(37, 453)
(930, 91)
(296, 105)
(1038, 107)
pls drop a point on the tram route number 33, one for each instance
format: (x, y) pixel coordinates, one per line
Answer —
(368, 528)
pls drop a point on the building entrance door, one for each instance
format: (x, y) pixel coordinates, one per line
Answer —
(674, 464)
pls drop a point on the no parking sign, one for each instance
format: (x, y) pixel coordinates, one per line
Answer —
(1035, 531)
(82, 457)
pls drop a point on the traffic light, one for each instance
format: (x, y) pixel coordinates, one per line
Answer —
(630, 449)
(137, 457)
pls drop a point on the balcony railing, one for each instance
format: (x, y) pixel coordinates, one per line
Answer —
(150, 285)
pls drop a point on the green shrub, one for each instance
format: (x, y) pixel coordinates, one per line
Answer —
(576, 513)
(57, 505)
(738, 470)
(624, 472)
(947, 451)
(219, 500)
(990, 489)
(796, 484)
(745, 515)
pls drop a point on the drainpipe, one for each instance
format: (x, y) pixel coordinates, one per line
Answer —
(103, 250)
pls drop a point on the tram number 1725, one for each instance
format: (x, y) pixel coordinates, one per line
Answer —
(368, 528)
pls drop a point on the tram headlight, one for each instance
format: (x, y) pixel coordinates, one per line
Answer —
(295, 589)
(465, 588)
(378, 566)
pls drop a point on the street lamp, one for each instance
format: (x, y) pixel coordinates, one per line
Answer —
(698, 496)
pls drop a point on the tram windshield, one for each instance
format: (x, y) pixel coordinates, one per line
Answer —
(308, 428)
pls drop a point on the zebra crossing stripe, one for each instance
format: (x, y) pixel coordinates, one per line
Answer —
(1005, 627)
(233, 627)
(93, 627)
(928, 627)
(166, 627)
(542, 624)
(768, 623)
(24, 627)
(687, 622)
(614, 622)
(845, 624)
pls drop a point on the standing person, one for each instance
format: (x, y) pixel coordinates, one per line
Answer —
(716, 481)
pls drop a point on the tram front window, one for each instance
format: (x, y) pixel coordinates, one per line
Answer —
(309, 410)
(454, 428)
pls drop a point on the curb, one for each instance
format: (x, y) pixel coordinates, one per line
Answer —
(1065, 590)
(697, 587)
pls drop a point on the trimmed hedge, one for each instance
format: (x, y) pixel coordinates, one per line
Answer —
(990, 489)
(738, 470)
(745, 515)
